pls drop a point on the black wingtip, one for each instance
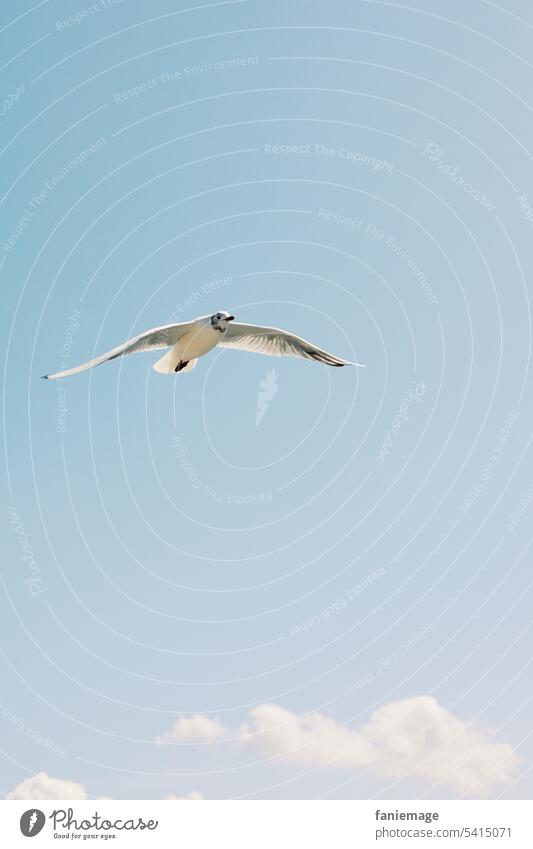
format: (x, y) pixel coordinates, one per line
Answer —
(44, 377)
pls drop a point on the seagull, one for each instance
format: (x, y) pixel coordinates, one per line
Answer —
(192, 339)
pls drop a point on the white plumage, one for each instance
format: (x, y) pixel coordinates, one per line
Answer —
(190, 340)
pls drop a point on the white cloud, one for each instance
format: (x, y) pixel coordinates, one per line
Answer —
(192, 796)
(413, 737)
(410, 738)
(41, 786)
(193, 729)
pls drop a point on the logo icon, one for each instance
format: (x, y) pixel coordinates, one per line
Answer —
(32, 822)
(268, 390)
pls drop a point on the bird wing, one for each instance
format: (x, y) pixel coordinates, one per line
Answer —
(158, 337)
(276, 343)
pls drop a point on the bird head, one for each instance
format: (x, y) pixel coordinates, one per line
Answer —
(220, 320)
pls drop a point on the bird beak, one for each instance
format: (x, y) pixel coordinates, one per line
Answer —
(230, 318)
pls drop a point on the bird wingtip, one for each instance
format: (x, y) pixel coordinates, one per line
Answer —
(44, 377)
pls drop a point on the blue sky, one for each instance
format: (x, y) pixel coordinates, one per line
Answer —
(359, 173)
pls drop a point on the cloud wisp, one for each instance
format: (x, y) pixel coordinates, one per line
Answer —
(193, 729)
(411, 738)
(42, 786)
(414, 737)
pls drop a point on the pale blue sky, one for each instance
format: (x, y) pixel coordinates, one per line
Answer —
(179, 545)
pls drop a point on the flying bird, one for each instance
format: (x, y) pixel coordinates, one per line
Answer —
(192, 339)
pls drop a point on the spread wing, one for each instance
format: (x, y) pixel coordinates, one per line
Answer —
(151, 340)
(276, 343)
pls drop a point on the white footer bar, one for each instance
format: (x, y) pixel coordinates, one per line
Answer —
(268, 824)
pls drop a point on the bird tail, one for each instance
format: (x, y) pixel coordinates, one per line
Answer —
(168, 364)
